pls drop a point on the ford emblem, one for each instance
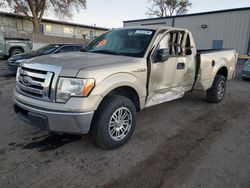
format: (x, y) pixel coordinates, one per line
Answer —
(27, 81)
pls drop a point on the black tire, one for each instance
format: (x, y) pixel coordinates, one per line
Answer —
(244, 78)
(15, 51)
(217, 92)
(100, 130)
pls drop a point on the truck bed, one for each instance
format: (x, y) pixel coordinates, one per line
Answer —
(209, 61)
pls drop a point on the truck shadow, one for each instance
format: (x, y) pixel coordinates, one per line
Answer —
(8, 75)
(51, 142)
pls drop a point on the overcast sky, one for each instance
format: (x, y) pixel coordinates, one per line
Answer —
(112, 13)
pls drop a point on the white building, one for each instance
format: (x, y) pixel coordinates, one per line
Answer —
(217, 29)
(10, 24)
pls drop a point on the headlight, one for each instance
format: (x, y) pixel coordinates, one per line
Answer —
(68, 87)
(20, 61)
(247, 66)
(17, 74)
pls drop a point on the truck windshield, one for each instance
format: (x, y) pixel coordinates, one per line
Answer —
(47, 49)
(127, 42)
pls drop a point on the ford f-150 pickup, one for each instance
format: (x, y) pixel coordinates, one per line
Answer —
(100, 89)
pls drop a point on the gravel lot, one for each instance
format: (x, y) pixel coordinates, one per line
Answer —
(183, 143)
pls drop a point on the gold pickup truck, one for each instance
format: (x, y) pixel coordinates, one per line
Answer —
(100, 89)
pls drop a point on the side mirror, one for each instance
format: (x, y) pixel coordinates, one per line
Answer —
(161, 55)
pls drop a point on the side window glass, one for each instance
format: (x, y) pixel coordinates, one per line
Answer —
(188, 46)
(164, 43)
(77, 48)
(171, 43)
(66, 49)
(175, 44)
(162, 50)
(180, 43)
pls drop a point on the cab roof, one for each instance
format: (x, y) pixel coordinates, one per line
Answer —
(154, 27)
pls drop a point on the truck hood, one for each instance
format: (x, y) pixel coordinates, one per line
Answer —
(73, 62)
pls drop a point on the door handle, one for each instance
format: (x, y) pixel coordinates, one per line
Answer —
(140, 70)
(180, 65)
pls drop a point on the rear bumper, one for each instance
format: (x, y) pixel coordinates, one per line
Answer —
(55, 121)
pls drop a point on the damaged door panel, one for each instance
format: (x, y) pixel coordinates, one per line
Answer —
(172, 75)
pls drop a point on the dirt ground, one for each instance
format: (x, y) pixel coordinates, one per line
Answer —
(184, 143)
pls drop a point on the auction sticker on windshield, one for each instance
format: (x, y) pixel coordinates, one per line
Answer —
(143, 32)
(103, 42)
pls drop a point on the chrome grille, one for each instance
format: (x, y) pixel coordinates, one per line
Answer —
(35, 83)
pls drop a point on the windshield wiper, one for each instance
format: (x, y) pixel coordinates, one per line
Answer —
(106, 52)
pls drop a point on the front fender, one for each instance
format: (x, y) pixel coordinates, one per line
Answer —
(119, 80)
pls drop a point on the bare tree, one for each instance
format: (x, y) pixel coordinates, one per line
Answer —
(162, 8)
(34, 10)
(2, 5)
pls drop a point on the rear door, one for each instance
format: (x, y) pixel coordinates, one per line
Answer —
(174, 75)
(2, 44)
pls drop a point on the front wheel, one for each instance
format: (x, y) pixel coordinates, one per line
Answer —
(15, 51)
(114, 122)
(216, 93)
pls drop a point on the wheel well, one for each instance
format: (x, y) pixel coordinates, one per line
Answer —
(128, 92)
(15, 47)
(223, 71)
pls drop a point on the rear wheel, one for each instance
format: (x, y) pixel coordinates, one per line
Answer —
(216, 93)
(114, 122)
(15, 51)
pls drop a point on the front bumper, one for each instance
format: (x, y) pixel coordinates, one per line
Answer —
(55, 121)
(246, 74)
(11, 66)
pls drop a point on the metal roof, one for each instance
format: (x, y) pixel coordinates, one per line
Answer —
(194, 14)
(152, 27)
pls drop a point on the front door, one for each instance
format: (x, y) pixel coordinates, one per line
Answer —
(170, 76)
